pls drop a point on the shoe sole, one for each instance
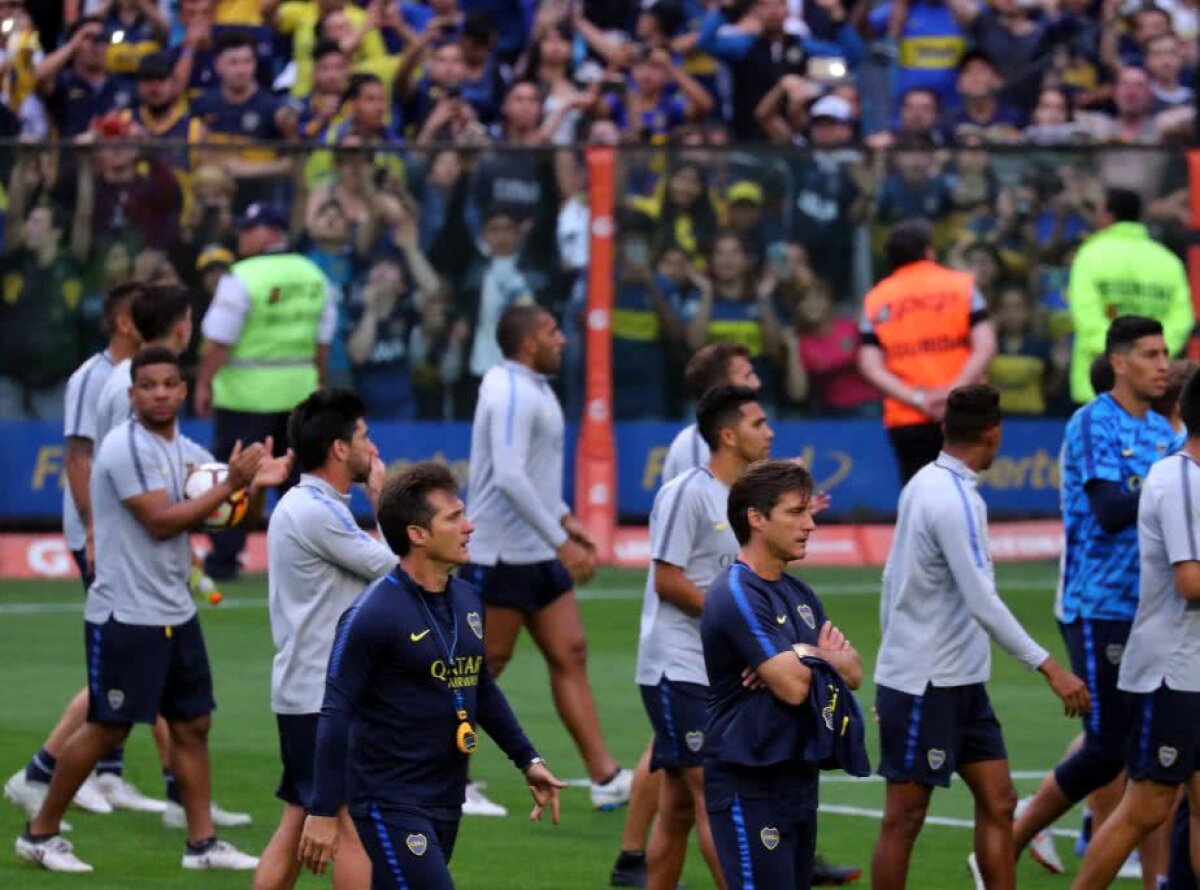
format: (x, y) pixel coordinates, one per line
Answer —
(128, 807)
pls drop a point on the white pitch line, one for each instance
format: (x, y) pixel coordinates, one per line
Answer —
(867, 813)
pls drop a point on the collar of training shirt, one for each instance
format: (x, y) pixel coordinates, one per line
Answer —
(525, 369)
(956, 466)
(324, 487)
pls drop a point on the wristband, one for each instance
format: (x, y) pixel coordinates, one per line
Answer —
(532, 763)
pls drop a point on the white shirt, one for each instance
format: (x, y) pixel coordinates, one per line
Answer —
(689, 528)
(319, 561)
(1164, 644)
(112, 405)
(940, 604)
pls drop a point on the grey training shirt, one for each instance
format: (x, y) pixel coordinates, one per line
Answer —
(319, 561)
(688, 449)
(689, 528)
(939, 602)
(1164, 644)
(79, 422)
(515, 486)
(139, 579)
(113, 406)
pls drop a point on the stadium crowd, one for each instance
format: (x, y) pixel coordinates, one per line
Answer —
(427, 157)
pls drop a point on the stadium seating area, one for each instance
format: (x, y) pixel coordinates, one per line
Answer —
(431, 157)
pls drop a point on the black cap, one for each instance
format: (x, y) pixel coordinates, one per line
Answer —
(156, 66)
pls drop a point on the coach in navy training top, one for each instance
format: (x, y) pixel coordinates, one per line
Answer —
(758, 626)
(406, 686)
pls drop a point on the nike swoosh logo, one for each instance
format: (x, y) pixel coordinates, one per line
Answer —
(781, 619)
(416, 638)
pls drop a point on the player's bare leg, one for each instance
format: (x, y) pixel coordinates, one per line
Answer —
(643, 804)
(502, 626)
(1155, 851)
(190, 764)
(558, 632)
(73, 717)
(903, 815)
(279, 869)
(1143, 807)
(75, 763)
(668, 844)
(995, 801)
(1045, 808)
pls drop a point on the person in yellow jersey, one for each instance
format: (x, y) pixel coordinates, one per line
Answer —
(1121, 270)
(266, 343)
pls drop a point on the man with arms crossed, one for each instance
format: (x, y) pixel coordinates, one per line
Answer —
(1161, 665)
(145, 650)
(763, 628)
(408, 673)
(938, 611)
(529, 550)
(1108, 448)
(319, 562)
(690, 544)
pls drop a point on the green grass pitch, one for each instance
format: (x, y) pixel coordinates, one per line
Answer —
(41, 639)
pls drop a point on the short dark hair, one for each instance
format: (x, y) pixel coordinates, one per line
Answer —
(157, 309)
(1124, 205)
(908, 242)
(515, 326)
(1189, 405)
(153, 355)
(971, 411)
(235, 38)
(326, 47)
(1101, 375)
(760, 488)
(709, 366)
(1127, 330)
(719, 408)
(357, 83)
(117, 297)
(478, 26)
(327, 416)
(404, 502)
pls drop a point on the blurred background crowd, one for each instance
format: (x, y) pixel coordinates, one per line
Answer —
(430, 159)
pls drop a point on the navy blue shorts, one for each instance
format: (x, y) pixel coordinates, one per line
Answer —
(80, 557)
(1095, 649)
(764, 823)
(1164, 735)
(408, 849)
(137, 672)
(927, 738)
(297, 750)
(527, 588)
(677, 712)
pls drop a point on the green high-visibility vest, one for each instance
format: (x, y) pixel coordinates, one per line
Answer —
(272, 366)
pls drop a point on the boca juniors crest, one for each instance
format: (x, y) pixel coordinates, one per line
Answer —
(417, 844)
(475, 623)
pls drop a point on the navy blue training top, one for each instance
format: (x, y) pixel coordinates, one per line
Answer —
(386, 736)
(746, 621)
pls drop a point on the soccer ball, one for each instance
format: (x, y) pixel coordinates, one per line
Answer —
(205, 477)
